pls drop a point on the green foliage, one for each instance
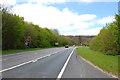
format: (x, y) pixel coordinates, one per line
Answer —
(117, 17)
(15, 29)
(107, 40)
(12, 31)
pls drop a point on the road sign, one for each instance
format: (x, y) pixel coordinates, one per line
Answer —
(56, 43)
(27, 39)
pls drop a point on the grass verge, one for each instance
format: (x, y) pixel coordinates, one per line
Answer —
(22, 50)
(106, 62)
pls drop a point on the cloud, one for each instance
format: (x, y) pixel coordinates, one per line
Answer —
(66, 21)
(76, 26)
(62, 1)
(97, 0)
(12, 2)
(92, 31)
(51, 1)
(8, 2)
(93, 1)
(52, 17)
(105, 20)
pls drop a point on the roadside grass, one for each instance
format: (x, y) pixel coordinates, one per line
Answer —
(22, 50)
(106, 62)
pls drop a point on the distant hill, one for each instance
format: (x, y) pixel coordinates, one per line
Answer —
(81, 39)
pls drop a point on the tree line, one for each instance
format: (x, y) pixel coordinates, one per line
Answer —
(108, 40)
(15, 31)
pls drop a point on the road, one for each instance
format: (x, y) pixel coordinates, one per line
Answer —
(10, 60)
(49, 63)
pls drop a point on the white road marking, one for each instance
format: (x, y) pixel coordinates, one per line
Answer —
(34, 60)
(81, 75)
(3, 59)
(65, 65)
(16, 66)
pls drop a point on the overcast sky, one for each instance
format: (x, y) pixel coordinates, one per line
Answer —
(78, 17)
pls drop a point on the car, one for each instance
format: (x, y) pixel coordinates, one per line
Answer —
(66, 46)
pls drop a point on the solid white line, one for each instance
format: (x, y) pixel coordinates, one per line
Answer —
(65, 65)
(34, 60)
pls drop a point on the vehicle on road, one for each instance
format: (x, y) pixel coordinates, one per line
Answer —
(66, 46)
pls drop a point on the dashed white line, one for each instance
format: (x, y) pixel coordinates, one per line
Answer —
(16, 66)
(3, 59)
(34, 60)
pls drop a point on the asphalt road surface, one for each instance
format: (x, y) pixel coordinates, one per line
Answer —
(10, 60)
(48, 63)
(78, 68)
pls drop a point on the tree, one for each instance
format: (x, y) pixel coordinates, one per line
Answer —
(55, 31)
(108, 40)
(15, 33)
(12, 31)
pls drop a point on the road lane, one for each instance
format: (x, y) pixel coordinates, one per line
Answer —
(48, 67)
(51, 66)
(78, 68)
(10, 60)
